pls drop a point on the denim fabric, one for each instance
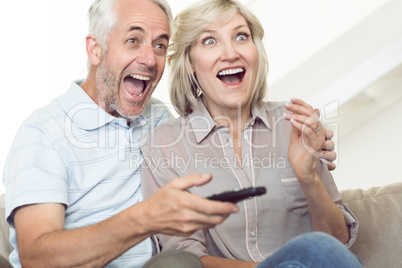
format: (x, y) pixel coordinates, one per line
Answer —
(312, 250)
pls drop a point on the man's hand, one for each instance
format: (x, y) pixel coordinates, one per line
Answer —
(172, 210)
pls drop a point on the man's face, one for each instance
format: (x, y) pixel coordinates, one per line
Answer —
(133, 64)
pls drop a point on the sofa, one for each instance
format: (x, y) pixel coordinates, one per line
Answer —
(379, 210)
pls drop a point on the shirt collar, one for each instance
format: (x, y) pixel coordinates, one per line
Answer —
(83, 111)
(260, 112)
(202, 123)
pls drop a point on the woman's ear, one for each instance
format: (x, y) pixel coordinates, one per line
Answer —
(191, 65)
(94, 50)
(193, 72)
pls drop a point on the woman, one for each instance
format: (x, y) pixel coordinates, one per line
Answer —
(218, 83)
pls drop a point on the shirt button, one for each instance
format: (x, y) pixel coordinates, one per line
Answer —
(252, 233)
(246, 164)
(246, 137)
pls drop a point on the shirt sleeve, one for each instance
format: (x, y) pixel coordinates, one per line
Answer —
(352, 223)
(332, 189)
(196, 243)
(155, 173)
(34, 171)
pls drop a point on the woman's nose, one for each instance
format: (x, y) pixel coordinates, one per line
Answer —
(229, 52)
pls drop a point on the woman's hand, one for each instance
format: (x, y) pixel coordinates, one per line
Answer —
(307, 140)
(327, 151)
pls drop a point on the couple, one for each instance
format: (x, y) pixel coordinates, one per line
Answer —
(70, 205)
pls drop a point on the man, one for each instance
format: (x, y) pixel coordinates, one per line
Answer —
(72, 176)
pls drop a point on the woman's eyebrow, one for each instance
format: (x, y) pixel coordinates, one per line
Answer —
(236, 28)
(241, 26)
(209, 31)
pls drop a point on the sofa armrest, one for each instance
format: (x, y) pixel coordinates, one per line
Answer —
(379, 211)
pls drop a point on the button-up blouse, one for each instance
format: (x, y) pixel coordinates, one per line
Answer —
(196, 144)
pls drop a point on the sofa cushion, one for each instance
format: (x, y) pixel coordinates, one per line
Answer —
(379, 210)
(5, 246)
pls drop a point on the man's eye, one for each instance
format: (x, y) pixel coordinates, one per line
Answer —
(133, 40)
(208, 41)
(161, 46)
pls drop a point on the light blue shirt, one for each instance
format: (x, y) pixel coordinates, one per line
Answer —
(74, 153)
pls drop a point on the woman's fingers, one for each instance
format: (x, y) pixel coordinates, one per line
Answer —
(311, 121)
(307, 121)
(300, 107)
(303, 113)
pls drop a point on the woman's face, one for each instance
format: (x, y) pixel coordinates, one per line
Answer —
(225, 62)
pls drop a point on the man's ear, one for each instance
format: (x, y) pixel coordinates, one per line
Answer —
(94, 50)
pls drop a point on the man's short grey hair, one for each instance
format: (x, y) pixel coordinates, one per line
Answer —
(103, 18)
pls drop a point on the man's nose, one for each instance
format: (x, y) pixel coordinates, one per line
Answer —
(147, 55)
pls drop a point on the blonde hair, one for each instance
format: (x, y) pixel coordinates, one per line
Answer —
(187, 28)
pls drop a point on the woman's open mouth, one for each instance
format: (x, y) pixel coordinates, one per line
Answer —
(232, 76)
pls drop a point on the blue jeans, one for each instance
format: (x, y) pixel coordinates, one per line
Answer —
(312, 250)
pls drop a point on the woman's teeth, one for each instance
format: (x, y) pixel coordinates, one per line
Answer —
(231, 71)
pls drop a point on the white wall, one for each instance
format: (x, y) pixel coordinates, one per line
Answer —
(370, 154)
(42, 50)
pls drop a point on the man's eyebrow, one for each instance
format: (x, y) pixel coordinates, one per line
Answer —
(136, 28)
(139, 28)
(164, 36)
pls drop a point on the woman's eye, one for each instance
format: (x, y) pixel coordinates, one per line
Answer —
(242, 37)
(208, 41)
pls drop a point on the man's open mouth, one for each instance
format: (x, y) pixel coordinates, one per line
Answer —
(136, 84)
(232, 76)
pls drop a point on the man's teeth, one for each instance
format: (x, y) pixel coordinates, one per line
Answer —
(140, 77)
(231, 71)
